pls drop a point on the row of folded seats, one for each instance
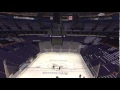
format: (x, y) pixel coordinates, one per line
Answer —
(81, 39)
(97, 55)
(17, 54)
(91, 25)
(85, 40)
(24, 25)
(35, 38)
(85, 26)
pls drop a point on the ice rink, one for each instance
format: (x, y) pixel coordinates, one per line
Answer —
(51, 65)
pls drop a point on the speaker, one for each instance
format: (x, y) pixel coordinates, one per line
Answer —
(75, 18)
(56, 17)
(40, 16)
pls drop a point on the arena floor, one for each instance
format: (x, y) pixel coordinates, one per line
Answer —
(52, 65)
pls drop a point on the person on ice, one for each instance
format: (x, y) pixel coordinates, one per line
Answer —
(59, 68)
(80, 76)
(53, 67)
(57, 77)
